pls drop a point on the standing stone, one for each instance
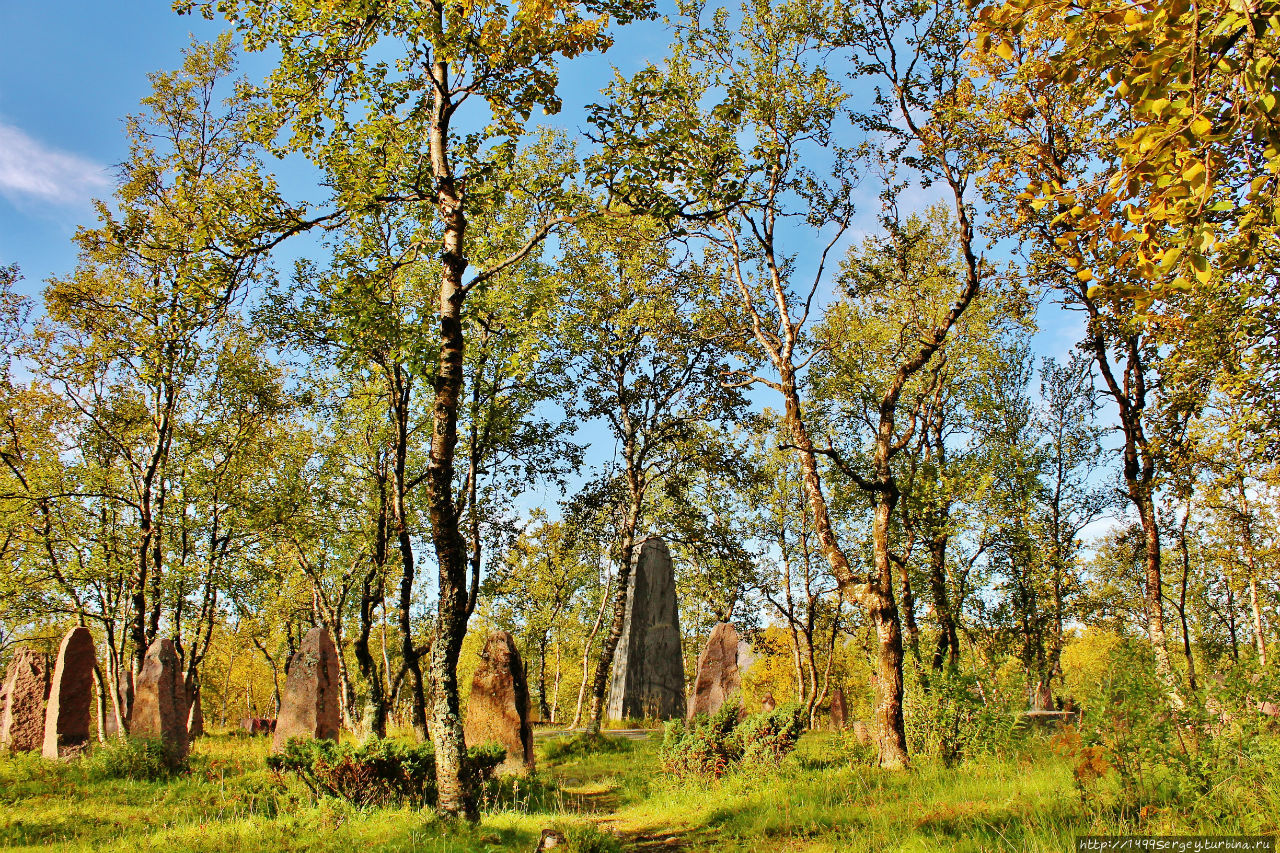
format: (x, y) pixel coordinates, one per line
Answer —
(648, 668)
(718, 676)
(839, 711)
(309, 707)
(498, 709)
(66, 718)
(768, 704)
(26, 689)
(160, 701)
(861, 733)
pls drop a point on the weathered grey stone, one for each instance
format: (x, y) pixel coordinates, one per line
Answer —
(718, 676)
(498, 708)
(160, 701)
(839, 710)
(66, 718)
(768, 704)
(309, 706)
(648, 668)
(26, 689)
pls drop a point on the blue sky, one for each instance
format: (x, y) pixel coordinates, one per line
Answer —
(71, 71)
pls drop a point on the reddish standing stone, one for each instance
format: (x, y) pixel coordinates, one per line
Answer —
(26, 689)
(160, 701)
(768, 704)
(839, 710)
(66, 719)
(861, 733)
(498, 708)
(309, 706)
(718, 676)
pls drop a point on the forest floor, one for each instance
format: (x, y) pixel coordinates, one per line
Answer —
(819, 800)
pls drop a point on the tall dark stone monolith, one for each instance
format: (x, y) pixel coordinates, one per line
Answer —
(498, 708)
(26, 689)
(66, 717)
(309, 706)
(648, 668)
(718, 677)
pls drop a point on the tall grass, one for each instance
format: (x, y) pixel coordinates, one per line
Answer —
(827, 795)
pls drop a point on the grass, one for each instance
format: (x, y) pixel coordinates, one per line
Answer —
(824, 797)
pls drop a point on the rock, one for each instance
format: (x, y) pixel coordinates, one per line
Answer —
(26, 689)
(309, 706)
(768, 704)
(648, 667)
(839, 710)
(258, 725)
(551, 839)
(66, 718)
(160, 701)
(498, 708)
(861, 733)
(718, 677)
(1270, 709)
(195, 716)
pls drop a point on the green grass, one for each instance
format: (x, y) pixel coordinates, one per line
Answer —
(825, 796)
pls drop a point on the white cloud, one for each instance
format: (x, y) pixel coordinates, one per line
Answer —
(29, 169)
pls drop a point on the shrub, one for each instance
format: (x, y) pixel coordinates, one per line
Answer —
(1215, 757)
(716, 744)
(379, 772)
(768, 737)
(579, 745)
(948, 719)
(135, 758)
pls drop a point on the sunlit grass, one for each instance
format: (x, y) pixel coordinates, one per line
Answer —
(826, 796)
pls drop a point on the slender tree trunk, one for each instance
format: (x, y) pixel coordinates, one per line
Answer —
(453, 782)
(909, 611)
(555, 690)
(884, 615)
(604, 666)
(1260, 638)
(605, 598)
(1155, 598)
(1182, 599)
(947, 649)
(544, 709)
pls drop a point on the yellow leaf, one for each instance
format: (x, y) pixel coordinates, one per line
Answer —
(1201, 126)
(1005, 51)
(1085, 275)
